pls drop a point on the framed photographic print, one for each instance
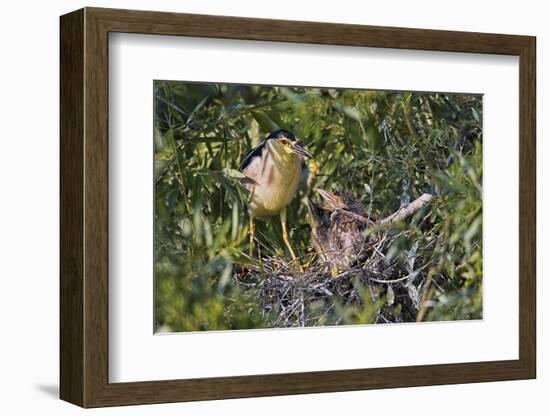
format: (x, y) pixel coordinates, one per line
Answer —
(256, 207)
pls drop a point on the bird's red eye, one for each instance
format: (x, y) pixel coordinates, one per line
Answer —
(284, 141)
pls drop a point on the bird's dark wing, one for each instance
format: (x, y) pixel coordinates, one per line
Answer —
(257, 151)
(346, 240)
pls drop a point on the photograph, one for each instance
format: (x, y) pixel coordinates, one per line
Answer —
(281, 206)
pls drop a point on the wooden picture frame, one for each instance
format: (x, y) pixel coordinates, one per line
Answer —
(84, 207)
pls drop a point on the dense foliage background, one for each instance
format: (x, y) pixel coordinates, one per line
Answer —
(385, 147)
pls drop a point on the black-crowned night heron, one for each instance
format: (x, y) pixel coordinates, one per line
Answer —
(338, 237)
(274, 168)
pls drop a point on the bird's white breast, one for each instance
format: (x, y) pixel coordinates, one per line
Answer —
(276, 178)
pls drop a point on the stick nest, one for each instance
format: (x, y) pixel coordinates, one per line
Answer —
(376, 289)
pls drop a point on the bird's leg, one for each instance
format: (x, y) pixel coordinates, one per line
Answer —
(286, 239)
(251, 234)
(308, 264)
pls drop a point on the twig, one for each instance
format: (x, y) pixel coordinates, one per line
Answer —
(372, 279)
(355, 216)
(302, 310)
(428, 289)
(426, 296)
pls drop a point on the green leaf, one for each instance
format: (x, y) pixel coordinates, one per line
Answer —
(264, 121)
(233, 173)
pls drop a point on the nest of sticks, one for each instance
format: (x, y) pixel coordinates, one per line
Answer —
(392, 288)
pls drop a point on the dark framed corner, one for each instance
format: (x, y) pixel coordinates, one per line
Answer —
(84, 214)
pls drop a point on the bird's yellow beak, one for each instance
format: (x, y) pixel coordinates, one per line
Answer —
(296, 148)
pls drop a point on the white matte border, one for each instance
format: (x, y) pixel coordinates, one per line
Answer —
(135, 354)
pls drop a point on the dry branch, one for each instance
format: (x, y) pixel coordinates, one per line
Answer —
(407, 210)
(399, 215)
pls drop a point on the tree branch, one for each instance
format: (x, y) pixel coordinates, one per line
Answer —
(399, 215)
(407, 210)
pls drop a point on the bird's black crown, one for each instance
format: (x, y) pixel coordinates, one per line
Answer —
(282, 133)
(257, 151)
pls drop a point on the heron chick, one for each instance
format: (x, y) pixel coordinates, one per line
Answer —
(274, 169)
(337, 237)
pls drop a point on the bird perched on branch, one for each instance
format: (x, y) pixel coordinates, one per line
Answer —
(338, 228)
(274, 169)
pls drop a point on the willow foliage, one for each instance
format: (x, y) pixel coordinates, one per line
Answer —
(387, 148)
